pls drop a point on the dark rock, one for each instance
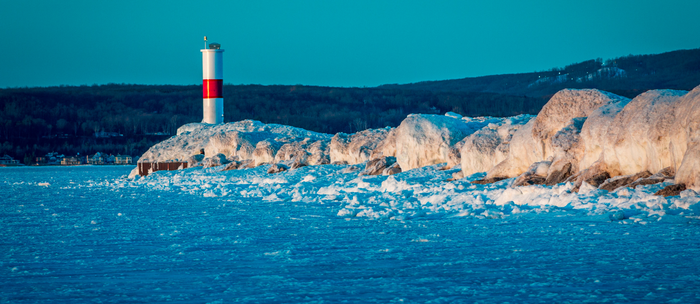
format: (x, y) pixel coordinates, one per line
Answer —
(195, 160)
(622, 181)
(490, 180)
(377, 166)
(671, 190)
(297, 165)
(214, 161)
(231, 166)
(277, 168)
(350, 169)
(248, 164)
(646, 181)
(529, 180)
(598, 179)
(667, 172)
(559, 176)
(393, 169)
(339, 162)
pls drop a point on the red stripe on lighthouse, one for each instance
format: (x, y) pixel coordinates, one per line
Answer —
(213, 88)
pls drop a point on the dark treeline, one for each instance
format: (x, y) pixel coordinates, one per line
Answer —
(35, 121)
(679, 70)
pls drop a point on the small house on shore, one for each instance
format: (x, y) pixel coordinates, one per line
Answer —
(70, 161)
(123, 160)
(97, 159)
(7, 160)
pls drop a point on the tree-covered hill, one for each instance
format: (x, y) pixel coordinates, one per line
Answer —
(627, 76)
(127, 119)
(67, 119)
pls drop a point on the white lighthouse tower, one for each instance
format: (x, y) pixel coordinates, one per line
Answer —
(213, 84)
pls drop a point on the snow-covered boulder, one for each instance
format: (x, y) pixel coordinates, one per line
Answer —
(265, 151)
(639, 137)
(489, 146)
(319, 153)
(357, 147)
(195, 160)
(423, 139)
(595, 129)
(564, 106)
(213, 161)
(387, 146)
(685, 145)
(307, 151)
(568, 151)
(294, 151)
(393, 169)
(533, 142)
(231, 139)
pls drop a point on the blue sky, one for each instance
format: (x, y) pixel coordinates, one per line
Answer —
(329, 43)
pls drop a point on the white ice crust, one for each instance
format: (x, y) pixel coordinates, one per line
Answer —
(578, 132)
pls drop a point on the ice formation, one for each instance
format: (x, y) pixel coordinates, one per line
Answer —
(585, 137)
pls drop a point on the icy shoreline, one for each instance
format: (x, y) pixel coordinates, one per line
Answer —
(587, 152)
(423, 194)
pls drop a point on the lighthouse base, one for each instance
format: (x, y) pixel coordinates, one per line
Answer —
(213, 111)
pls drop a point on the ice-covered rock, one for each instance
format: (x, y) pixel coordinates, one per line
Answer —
(214, 161)
(357, 147)
(306, 152)
(277, 168)
(595, 129)
(195, 160)
(379, 165)
(393, 169)
(231, 139)
(564, 106)
(568, 151)
(265, 151)
(424, 139)
(685, 144)
(639, 137)
(489, 146)
(319, 153)
(294, 151)
(536, 174)
(623, 180)
(386, 147)
(534, 141)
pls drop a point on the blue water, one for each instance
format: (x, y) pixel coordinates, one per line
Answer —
(82, 239)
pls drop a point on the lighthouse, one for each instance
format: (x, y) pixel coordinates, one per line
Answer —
(213, 83)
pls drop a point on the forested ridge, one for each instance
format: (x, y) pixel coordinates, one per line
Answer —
(128, 119)
(626, 75)
(66, 119)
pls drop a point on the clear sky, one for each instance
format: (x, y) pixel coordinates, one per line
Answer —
(329, 43)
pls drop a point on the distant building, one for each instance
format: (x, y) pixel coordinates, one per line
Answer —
(40, 160)
(123, 160)
(96, 159)
(107, 134)
(70, 161)
(53, 158)
(7, 160)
